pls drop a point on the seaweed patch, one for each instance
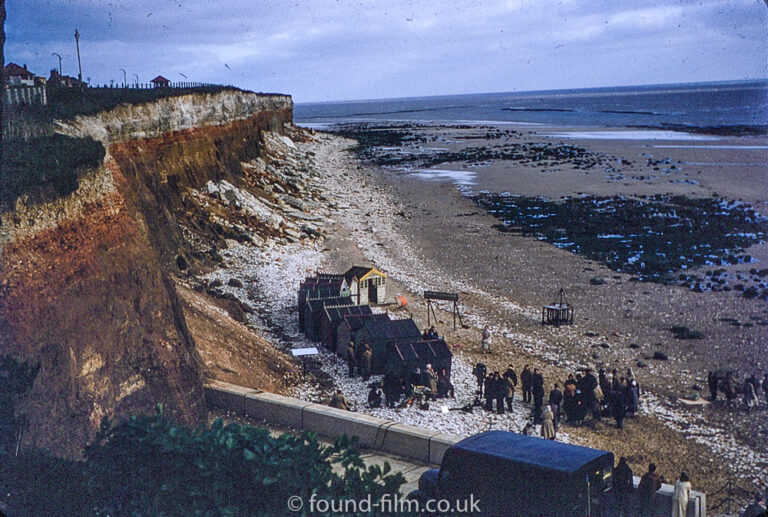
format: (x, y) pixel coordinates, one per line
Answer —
(655, 238)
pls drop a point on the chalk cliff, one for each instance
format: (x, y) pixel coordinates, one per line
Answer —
(88, 281)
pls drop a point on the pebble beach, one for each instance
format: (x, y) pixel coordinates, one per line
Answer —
(425, 230)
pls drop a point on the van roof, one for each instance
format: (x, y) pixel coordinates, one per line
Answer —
(519, 448)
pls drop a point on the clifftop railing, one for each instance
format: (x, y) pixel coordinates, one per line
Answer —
(22, 118)
(151, 86)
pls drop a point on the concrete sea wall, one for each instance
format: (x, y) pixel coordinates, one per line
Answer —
(374, 433)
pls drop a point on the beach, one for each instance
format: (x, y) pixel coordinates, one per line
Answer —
(426, 232)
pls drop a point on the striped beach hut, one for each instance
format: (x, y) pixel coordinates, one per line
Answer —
(366, 284)
(348, 327)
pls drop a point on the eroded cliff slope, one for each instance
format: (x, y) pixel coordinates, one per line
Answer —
(88, 281)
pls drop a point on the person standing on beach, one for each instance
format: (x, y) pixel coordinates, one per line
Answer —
(510, 381)
(391, 389)
(555, 400)
(623, 488)
(485, 343)
(646, 491)
(479, 372)
(547, 424)
(619, 404)
(365, 364)
(351, 358)
(750, 397)
(681, 495)
(712, 383)
(537, 387)
(489, 388)
(525, 378)
(500, 392)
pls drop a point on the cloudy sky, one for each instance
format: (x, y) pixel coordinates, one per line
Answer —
(320, 50)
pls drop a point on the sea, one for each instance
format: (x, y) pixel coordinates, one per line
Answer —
(695, 105)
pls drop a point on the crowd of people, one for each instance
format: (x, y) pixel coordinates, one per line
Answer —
(583, 395)
(726, 382)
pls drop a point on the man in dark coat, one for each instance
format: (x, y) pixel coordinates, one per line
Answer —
(712, 383)
(479, 372)
(623, 488)
(351, 358)
(525, 379)
(646, 490)
(365, 363)
(489, 390)
(500, 392)
(537, 388)
(619, 402)
(391, 389)
(555, 400)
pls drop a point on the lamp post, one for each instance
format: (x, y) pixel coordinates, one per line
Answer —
(125, 80)
(58, 56)
(137, 79)
(79, 67)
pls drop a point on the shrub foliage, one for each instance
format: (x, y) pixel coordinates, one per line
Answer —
(149, 465)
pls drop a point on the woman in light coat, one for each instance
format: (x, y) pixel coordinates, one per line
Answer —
(750, 397)
(547, 423)
(681, 495)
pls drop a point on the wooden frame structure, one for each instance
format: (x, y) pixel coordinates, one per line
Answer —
(559, 312)
(446, 297)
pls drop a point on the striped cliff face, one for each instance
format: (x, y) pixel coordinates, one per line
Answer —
(87, 285)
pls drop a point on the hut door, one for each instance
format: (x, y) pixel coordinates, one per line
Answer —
(373, 290)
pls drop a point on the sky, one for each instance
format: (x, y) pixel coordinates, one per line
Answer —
(329, 50)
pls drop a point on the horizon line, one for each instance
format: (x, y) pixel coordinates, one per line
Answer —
(553, 90)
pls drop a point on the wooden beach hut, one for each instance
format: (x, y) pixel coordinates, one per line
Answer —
(332, 316)
(380, 334)
(320, 288)
(367, 285)
(313, 310)
(348, 327)
(404, 358)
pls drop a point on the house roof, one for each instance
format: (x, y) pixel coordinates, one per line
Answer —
(12, 70)
(361, 273)
(337, 313)
(159, 79)
(422, 350)
(356, 321)
(393, 329)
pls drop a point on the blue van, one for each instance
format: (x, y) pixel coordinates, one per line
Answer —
(514, 475)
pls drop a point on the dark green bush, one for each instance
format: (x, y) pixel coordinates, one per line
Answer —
(149, 465)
